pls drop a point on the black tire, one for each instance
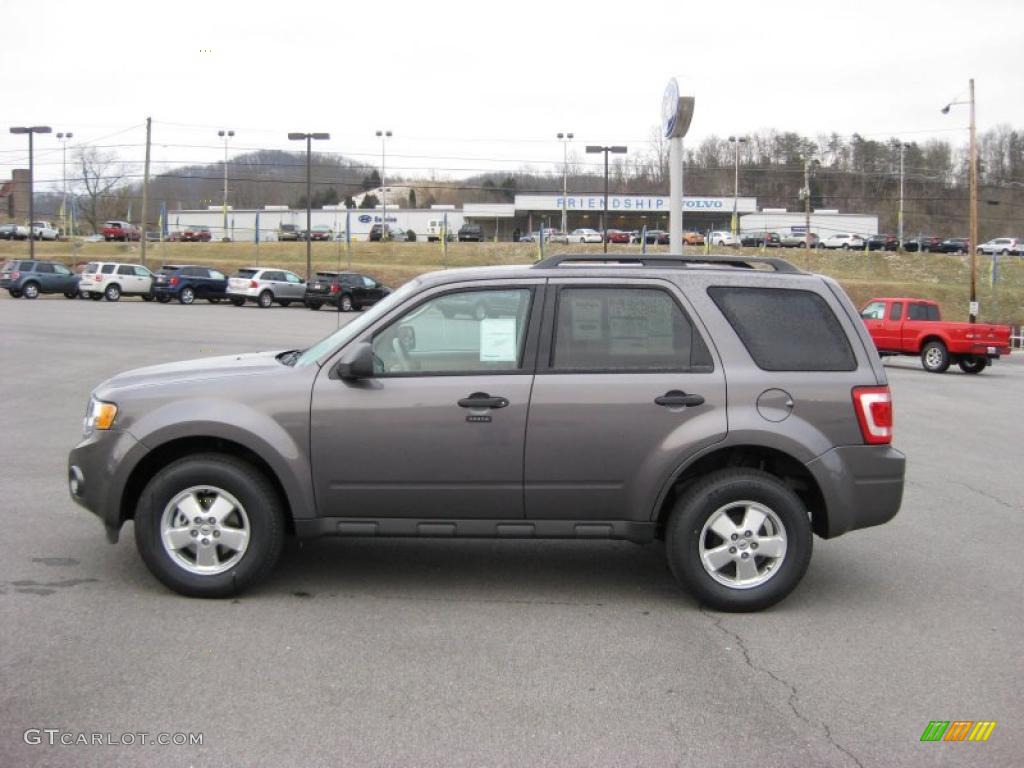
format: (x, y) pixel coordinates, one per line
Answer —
(285, 302)
(213, 301)
(147, 297)
(265, 300)
(973, 363)
(187, 295)
(704, 500)
(15, 293)
(314, 305)
(96, 296)
(935, 357)
(345, 303)
(30, 290)
(163, 299)
(70, 294)
(112, 292)
(253, 491)
(238, 302)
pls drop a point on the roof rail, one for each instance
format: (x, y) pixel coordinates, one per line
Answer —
(668, 260)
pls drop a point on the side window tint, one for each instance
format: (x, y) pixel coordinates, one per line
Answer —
(918, 312)
(786, 329)
(615, 329)
(107, 269)
(465, 332)
(216, 275)
(292, 278)
(896, 310)
(142, 272)
(369, 282)
(60, 269)
(43, 267)
(874, 311)
(124, 269)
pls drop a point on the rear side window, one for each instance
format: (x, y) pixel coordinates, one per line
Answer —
(923, 312)
(786, 329)
(896, 310)
(632, 329)
(91, 267)
(108, 269)
(126, 269)
(44, 268)
(246, 273)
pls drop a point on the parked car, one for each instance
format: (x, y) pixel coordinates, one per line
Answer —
(801, 240)
(381, 232)
(196, 234)
(44, 230)
(153, 236)
(723, 238)
(119, 231)
(317, 233)
(923, 244)
(652, 236)
(557, 236)
(112, 280)
(955, 245)
(883, 243)
(585, 236)
(847, 241)
(345, 290)
(188, 283)
(759, 239)
(618, 236)
(7, 231)
(265, 286)
(218, 460)
(529, 237)
(909, 326)
(30, 277)
(471, 233)
(693, 238)
(1004, 246)
(287, 232)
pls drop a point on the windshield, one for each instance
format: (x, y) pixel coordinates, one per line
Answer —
(348, 332)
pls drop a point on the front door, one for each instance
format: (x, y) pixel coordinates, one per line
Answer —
(439, 431)
(626, 390)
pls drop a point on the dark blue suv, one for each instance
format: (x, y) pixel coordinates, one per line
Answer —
(188, 283)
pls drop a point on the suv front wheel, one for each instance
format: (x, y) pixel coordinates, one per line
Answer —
(739, 540)
(209, 526)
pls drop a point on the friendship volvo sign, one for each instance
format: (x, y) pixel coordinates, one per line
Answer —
(632, 203)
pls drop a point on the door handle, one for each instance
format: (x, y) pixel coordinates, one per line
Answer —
(677, 399)
(482, 400)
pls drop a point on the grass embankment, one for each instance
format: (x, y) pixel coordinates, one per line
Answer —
(943, 278)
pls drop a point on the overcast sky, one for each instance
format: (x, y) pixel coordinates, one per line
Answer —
(483, 85)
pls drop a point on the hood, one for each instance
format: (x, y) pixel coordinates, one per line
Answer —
(196, 370)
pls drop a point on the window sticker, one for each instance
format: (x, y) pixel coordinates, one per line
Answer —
(498, 340)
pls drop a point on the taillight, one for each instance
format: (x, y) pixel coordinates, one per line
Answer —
(253, 284)
(174, 281)
(335, 287)
(873, 406)
(15, 275)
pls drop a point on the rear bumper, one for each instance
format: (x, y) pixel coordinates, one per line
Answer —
(862, 486)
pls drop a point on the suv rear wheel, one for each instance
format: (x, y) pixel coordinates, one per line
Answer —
(113, 292)
(209, 525)
(739, 540)
(345, 303)
(30, 290)
(187, 295)
(266, 300)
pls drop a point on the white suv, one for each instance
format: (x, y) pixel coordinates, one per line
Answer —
(844, 240)
(1002, 245)
(265, 286)
(112, 280)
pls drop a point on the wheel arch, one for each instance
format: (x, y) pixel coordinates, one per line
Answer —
(931, 336)
(790, 470)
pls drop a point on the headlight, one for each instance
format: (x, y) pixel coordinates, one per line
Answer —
(99, 415)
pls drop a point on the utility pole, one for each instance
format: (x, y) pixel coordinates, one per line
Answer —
(225, 135)
(807, 201)
(31, 131)
(565, 138)
(384, 229)
(899, 233)
(145, 187)
(974, 213)
(594, 149)
(308, 138)
(63, 138)
(737, 140)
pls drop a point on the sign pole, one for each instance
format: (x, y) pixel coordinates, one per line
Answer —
(676, 114)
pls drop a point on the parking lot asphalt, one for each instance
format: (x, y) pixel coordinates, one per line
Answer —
(493, 653)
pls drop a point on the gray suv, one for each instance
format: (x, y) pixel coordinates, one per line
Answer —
(730, 406)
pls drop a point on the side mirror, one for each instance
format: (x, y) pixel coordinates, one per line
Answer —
(356, 362)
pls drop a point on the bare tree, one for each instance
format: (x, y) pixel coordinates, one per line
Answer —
(102, 172)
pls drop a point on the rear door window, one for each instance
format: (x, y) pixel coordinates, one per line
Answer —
(786, 329)
(126, 269)
(44, 268)
(108, 269)
(896, 310)
(60, 269)
(246, 273)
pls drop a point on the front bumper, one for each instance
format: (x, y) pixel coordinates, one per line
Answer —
(98, 469)
(862, 486)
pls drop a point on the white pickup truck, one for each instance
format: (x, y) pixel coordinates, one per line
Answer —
(41, 230)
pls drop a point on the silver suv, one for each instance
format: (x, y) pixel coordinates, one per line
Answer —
(265, 286)
(731, 406)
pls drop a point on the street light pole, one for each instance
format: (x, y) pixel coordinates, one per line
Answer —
(616, 149)
(565, 138)
(972, 313)
(737, 140)
(899, 234)
(63, 137)
(308, 137)
(384, 229)
(30, 130)
(225, 135)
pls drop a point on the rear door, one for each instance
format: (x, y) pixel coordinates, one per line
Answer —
(293, 287)
(626, 389)
(128, 280)
(46, 277)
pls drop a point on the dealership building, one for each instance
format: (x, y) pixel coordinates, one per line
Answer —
(526, 213)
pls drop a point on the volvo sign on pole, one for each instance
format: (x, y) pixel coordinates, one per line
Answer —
(676, 114)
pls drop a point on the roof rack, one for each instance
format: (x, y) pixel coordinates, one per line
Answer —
(668, 260)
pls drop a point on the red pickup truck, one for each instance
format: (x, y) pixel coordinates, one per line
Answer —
(119, 230)
(905, 326)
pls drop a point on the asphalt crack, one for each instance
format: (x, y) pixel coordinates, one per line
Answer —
(986, 494)
(794, 695)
